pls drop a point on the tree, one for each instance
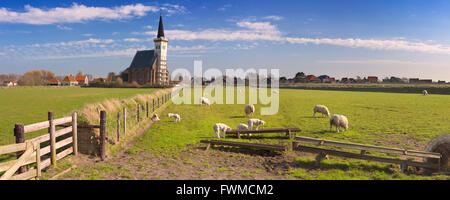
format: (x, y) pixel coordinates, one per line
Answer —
(111, 76)
(300, 77)
(79, 73)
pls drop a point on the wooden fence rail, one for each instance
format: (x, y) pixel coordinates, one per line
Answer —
(364, 149)
(269, 147)
(288, 131)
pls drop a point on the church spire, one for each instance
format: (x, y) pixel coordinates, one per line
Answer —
(160, 27)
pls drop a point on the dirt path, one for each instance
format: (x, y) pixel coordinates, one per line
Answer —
(193, 163)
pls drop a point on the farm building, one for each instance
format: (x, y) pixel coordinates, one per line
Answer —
(54, 82)
(82, 80)
(69, 81)
(313, 79)
(372, 79)
(10, 83)
(149, 66)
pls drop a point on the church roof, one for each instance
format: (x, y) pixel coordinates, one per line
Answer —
(144, 58)
(160, 28)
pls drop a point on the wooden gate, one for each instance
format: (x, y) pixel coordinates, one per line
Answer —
(30, 153)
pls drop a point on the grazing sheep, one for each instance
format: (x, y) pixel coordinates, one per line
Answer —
(255, 122)
(243, 127)
(321, 109)
(176, 117)
(221, 129)
(249, 109)
(205, 100)
(155, 117)
(339, 121)
(425, 92)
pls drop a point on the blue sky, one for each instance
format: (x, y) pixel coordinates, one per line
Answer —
(404, 38)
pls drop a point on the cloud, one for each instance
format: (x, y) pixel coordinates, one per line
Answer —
(64, 28)
(223, 8)
(374, 61)
(81, 13)
(132, 40)
(87, 34)
(273, 17)
(75, 43)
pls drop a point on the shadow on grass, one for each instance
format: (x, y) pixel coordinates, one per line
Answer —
(242, 150)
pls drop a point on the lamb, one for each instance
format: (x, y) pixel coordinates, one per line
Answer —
(256, 122)
(155, 117)
(243, 127)
(176, 117)
(221, 129)
(249, 109)
(425, 92)
(204, 100)
(321, 109)
(339, 121)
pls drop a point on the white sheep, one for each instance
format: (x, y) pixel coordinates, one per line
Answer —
(339, 121)
(321, 109)
(204, 100)
(249, 109)
(221, 129)
(243, 127)
(155, 117)
(425, 92)
(176, 117)
(256, 123)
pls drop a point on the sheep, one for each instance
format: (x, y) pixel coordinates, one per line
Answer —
(249, 109)
(256, 122)
(339, 121)
(425, 92)
(275, 92)
(155, 117)
(176, 117)
(321, 109)
(221, 129)
(204, 100)
(243, 127)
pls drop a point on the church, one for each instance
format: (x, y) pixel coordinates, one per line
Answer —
(149, 66)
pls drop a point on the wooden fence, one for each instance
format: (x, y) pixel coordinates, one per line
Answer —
(288, 131)
(363, 151)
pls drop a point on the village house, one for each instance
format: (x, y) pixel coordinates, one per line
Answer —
(10, 83)
(69, 81)
(82, 80)
(150, 66)
(313, 79)
(54, 82)
(372, 79)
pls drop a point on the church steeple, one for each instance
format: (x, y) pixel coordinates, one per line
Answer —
(160, 28)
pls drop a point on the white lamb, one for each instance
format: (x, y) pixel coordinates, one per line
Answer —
(155, 117)
(256, 123)
(321, 109)
(425, 92)
(243, 127)
(249, 109)
(339, 121)
(204, 100)
(221, 129)
(176, 117)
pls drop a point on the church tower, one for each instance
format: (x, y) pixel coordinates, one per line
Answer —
(162, 73)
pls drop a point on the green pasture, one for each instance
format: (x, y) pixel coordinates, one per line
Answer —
(30, 104)
(387, 119)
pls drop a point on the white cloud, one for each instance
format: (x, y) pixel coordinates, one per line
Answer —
(64, 28)
(75, 43)
(87, 34)
(223, 8)
(81, 13)
(132, 40)
(273, 17)
(374, 61)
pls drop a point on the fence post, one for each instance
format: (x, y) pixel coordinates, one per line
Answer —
(158, 102)
(19, 132)
(137, 112)
(118, 126)
(146, 108)
(75, 133)
(124, 121)
(102, 135)
(38, 160)
(52, 139)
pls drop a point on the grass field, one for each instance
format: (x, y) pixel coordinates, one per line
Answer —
(387, 119)
(30, 104)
